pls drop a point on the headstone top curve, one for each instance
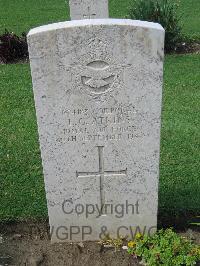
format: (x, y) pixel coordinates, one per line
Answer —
(95, 22)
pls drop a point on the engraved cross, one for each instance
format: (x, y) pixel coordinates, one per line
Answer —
(89, 14)
(102, 174)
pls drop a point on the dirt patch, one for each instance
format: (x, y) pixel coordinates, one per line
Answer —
(41, 252)
(28, 244)
(188, 48)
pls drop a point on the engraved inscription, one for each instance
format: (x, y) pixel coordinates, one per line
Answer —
(103, 124)
(102, 174)
(98, 75)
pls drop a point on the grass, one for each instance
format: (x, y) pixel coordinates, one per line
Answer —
(22, 15)
(180, 142)
(189, 10)
(22, 188)
(21, 182)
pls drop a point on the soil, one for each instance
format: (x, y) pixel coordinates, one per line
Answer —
(28, 244)
(187, 48)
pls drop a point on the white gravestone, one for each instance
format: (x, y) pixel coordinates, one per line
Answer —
(98, 89)
(88, 9)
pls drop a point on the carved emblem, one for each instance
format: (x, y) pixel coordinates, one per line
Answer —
(97, 77)
(96, 71)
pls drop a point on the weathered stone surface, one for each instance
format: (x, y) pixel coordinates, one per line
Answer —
(98, 89)
(88, 9)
